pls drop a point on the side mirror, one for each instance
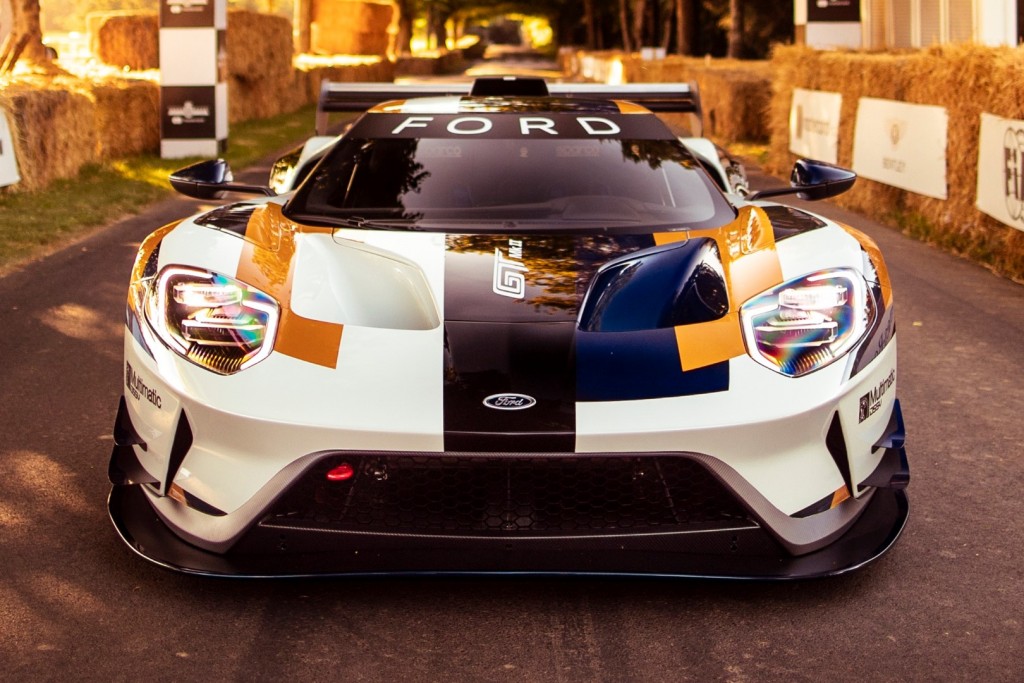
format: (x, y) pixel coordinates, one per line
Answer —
(211, 180)
(813, 180)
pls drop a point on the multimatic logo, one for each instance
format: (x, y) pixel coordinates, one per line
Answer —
(509, 271)
(188, 113)
(872, 401)
(1013, 172)
(510, 401)
(138, 389)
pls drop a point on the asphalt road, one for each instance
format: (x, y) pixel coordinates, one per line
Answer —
(946, 604)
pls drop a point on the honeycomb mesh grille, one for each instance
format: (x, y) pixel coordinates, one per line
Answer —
(508, 496)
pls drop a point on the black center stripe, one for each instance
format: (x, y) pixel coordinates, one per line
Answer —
(511, 310)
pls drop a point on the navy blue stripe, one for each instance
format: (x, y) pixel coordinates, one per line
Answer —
(628, 366)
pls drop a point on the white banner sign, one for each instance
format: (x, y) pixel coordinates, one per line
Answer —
(903, 145)
(8, 164)
(814, 124)
(1001, 170)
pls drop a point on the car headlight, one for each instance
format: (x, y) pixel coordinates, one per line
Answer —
(807, 323)
(212, 320)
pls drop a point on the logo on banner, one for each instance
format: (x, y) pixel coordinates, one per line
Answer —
(897, 131)
(1013, 172)
(188, 113)
(509, 271)
(180, 6)
(186, 13)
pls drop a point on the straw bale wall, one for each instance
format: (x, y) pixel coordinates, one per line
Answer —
(736, 95)
(965, 79)
(125, 39)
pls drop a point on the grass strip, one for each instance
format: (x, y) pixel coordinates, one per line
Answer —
(32, 223)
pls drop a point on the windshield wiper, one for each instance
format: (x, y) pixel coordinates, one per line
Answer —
(354, 222)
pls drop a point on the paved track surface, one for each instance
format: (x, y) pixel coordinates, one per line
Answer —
(947, 603)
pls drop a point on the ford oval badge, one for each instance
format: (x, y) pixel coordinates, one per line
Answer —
(510, 401)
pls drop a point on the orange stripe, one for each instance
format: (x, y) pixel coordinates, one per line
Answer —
(141, 258)
(268, 262)
(751, 264)
(875, 253)
(626, 107)
(839, 496)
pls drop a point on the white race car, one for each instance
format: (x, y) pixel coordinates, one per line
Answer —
(518, 328)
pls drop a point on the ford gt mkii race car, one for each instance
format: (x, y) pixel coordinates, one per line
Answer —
(515, 328)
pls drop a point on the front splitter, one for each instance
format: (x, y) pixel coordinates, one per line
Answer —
(737, 553)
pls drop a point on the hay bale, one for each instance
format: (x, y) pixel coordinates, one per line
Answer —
(126, 39)
(53, 131)
(352, 27)
(259, 45)
(127, 118)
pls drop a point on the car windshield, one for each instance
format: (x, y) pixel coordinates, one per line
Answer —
(467, 184)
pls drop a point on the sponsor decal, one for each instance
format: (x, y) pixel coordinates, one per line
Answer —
(509, 271)
(872, 401)
(510, 401)
(137, 387)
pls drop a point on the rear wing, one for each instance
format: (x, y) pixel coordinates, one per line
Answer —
(336, 96)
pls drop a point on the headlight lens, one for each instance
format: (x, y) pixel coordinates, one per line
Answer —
(806, 324)
(212, 320)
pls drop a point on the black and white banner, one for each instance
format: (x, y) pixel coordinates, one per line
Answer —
(193, 93)
(814, 124)
(1001, 170)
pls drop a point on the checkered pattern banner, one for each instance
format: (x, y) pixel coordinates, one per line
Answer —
(193, 83)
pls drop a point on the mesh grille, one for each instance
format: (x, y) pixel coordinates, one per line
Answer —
(508, 496)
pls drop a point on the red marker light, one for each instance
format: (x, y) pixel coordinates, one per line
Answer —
(342, 472)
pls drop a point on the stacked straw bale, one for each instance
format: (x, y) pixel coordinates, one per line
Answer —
(127, 118)
(965, 79)
(352, 27)
(127, 39)
(50, 141)
(261, 79)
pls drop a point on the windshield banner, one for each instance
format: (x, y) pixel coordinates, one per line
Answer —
(511, 126)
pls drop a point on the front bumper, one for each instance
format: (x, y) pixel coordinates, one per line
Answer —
(741, 552)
